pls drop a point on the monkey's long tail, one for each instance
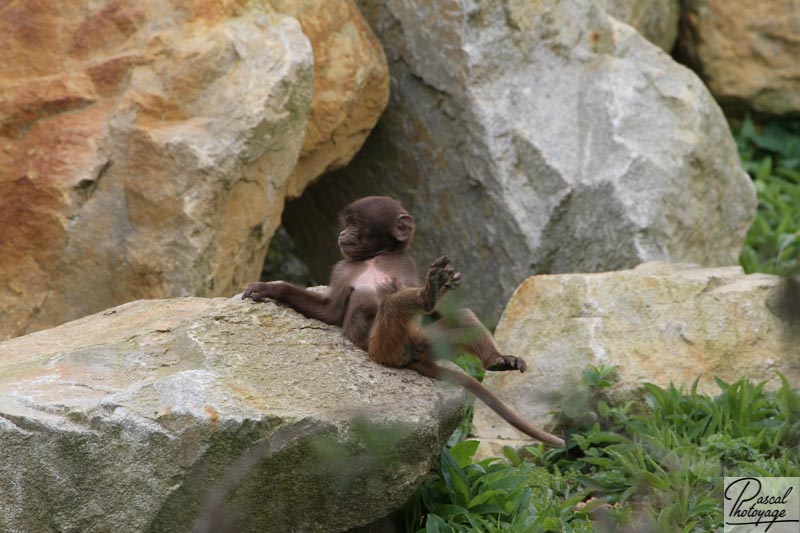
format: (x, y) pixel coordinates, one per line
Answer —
(432, 370)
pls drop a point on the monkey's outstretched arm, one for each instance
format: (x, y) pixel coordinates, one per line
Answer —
(432, 370)
(325, 307)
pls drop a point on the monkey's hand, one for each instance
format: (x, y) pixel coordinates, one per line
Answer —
(441, 278)
(261, 290)
(508, 362)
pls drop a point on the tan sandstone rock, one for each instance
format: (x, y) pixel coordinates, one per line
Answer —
(748, 53)
(659, 323)
(351, 85)
(128, 420)
(146, 148)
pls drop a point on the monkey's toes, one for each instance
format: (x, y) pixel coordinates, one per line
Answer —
(441, 278)
(441, 262)
(508, 362)
(455, 280)
(438, 275)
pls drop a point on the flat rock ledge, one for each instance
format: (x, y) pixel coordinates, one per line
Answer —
(148, 415)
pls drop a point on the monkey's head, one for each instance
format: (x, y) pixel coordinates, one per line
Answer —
(374, 225)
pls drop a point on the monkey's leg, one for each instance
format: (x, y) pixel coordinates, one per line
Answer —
(394, 339)
(360, 316)
(470, 335)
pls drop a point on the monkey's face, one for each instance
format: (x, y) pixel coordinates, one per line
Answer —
(360, 239)
(350, 238)
(372, 226)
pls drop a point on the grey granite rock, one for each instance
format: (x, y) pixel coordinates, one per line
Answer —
(534, 137)
(141, 417)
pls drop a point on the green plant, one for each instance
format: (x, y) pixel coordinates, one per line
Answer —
(660, 470)
(771, 156)
(493, 496)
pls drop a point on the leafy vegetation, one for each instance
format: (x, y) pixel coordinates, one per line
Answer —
(660, 469)
(772, 158)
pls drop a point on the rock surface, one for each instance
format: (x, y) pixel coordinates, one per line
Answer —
(126, 421)
(351, 85)
(748, 53)
(146, 148)
(656, 20)
(532, 137)
(660, 323)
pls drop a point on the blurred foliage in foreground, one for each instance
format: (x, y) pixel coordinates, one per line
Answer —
(771, 155)
(660, 470)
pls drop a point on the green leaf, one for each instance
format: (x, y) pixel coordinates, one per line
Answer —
(478, 523)
(435, 524)
(485, 496)
(764, 169)
(512, 455)
(605, 437)
(598, 461)
(464, 451)
(487, 509)
(448, 511)
(460, 485)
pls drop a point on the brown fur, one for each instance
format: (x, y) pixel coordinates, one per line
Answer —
(374, 294)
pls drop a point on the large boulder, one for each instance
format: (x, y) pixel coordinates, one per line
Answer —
(146, 148)
(351, 85)
(144, 416)
(748, 53)
(529, 137)
(659, 323)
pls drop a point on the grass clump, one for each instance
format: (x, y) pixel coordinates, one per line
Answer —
(771, 155)
(657, 470)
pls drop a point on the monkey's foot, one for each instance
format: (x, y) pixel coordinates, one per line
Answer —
(260, 291)
(441, 278)
(508, 362)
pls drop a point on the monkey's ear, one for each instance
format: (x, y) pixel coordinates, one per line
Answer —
(403, 228)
